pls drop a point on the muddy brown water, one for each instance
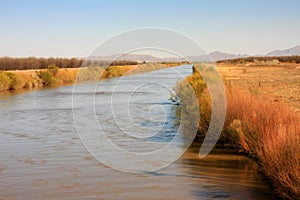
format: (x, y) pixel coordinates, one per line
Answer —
(43, 158)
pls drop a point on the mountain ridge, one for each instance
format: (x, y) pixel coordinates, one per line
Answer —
(294, 51)
(211, 57)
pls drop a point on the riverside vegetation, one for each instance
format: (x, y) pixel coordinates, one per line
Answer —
(256, 124)
(55, 76)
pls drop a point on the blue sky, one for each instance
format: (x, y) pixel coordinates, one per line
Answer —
(74, 28)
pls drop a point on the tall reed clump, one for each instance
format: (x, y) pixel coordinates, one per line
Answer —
(270, 133)
(5, 81)
(56, 76)
(267, 131)
(115, 71)
(202, 102)
(48, 76)
(67, 76)
(11, 81)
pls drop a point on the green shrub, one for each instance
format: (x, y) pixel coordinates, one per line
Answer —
(9, 81)
(115, 71)
(46, 77)
(192, 93)
(89, 74)
(15, 82)
(53, 69)
(5, 81)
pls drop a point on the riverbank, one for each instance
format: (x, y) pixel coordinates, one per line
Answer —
(53, 76)
(257, 125)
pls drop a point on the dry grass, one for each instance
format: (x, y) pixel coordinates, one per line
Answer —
(269, 132)
(67, 75)
(23, 79)
(280, 82)
(265, 128)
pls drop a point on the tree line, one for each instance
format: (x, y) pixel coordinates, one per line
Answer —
(8, 63)
(283, 59)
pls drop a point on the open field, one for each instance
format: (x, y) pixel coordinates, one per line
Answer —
(281, 82)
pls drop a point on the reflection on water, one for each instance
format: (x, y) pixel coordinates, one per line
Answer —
(223, 175)
(42, 158)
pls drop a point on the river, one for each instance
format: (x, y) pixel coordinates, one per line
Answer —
(42, 156)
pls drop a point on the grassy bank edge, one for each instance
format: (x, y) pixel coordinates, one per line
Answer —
(266, 131)
(54, 76)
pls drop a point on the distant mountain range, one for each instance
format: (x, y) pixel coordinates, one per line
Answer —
(287, 52)
(214, 56)
(133, 57)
